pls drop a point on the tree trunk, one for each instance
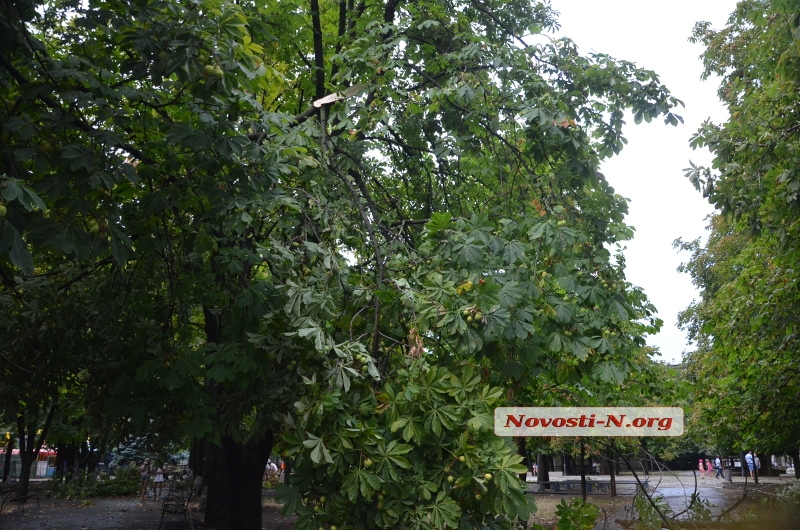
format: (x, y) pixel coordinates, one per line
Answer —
(287, 470)
(197, 457)
(544, 470)
(7, 462)
(97, 456)
(646, 460)
(583, 472)
(612, 456)
(65, 460)
(29, 446)
(796, 465)
(26, 457)
(521, 450)
(234, 483)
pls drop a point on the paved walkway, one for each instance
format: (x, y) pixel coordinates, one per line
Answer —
(676, 489)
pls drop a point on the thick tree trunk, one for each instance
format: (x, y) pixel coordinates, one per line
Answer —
(65, 460)
(544, 470)
(26, 457)
(234, 483)
(796, 464)
(197, 457)
(29, 446)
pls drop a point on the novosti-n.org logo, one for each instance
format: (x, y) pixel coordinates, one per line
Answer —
(588, 421)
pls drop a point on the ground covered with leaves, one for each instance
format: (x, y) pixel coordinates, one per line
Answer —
(113, 513)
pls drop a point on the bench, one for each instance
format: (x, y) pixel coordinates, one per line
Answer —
(8, 492)
(177, 502)
(605, 485)
(601, 486)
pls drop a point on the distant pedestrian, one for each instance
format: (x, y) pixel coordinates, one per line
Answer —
(756, 466)
(748, 458)
(709, 467)
(158, 483)
(701, 468)
(718, 465)
(144, 475)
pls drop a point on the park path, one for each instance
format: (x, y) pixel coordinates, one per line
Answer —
(676, 489)
(132, 514)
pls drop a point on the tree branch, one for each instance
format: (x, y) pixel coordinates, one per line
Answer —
(319, 54)
(78, 121)
(376, 250)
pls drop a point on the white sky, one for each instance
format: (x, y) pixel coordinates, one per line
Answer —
(649, 171)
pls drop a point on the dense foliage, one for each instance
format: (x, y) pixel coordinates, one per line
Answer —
(746, 323)
(225, 220)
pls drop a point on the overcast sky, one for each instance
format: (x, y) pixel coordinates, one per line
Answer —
(649, 171)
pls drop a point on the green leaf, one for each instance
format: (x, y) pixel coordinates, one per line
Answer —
(289, 497)
(609, 372)
(513, 252)
(18, 253)
(439, 222)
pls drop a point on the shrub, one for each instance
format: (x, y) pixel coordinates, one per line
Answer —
(577, 515)
(126, 482)
(420, 454)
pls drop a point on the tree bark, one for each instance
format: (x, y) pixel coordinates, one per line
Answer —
(287, 470)
(234, 483)
(29, 446)
(612, 456)
(521, 450)
(65, 460)
(583, 472)
(544, 470)
(796, 465)
(7, 462)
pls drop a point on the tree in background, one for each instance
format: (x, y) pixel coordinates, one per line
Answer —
(261, 218)
(746, 323)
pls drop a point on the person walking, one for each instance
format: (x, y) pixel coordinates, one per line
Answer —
(144, 475)
(718, 465)
(709, 467)
(756, 466)
(701, 468)
(748, 458)
(158, 483)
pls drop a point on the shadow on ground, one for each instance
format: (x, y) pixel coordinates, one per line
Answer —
(113, 513)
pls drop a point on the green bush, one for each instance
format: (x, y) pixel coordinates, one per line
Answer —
(648, 516)
(126, 482)
(577, 515)
(421, 454)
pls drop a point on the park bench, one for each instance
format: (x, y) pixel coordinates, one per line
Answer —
(605, 485)
(177, 500)
(592, 485)
(8, 492)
